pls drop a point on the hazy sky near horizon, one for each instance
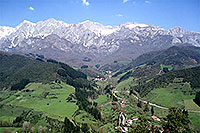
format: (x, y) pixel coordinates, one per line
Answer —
(163, 13)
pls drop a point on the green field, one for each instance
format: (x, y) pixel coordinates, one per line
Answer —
(170, 96)
(9, 113)
(173, 96)
(191, 105)
(47, 98)
(125, 85)
(101, 99)
(170, 67)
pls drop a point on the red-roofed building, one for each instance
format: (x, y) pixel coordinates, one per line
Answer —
(155, 118)
(134, 118)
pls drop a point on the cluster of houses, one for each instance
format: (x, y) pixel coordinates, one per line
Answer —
(130, 121)
(123, 103)
(108, 72)
(98, 78)
(125, 123)
(155, 118)
(122, 129)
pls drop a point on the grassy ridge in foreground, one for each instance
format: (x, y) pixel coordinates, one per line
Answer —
(47, 98)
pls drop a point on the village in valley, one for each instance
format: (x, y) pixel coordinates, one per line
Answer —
(124, 122)
(127, 109)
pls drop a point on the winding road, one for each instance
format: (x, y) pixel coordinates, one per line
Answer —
(152, 104)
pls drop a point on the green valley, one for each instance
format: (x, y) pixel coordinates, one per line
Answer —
(51, 96)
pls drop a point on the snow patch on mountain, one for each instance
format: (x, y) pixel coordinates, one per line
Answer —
(134, 25)
(6, 31)
(98, 28)
(90, 37)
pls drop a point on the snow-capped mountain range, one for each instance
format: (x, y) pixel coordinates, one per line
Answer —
(91, 38)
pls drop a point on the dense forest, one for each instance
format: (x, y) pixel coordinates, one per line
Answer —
(15, 68)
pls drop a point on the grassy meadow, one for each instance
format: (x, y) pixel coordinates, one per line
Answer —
(173, 96)
(101, 99)
(170, 96)
(125, 85)
(48, 98)
(162, 66)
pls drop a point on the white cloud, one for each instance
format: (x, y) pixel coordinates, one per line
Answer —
(147, 1)
(31, 8)
(85, 2)
(119, 15)
(124, 1)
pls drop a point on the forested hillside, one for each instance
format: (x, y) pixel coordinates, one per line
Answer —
(15, 68)
(157, 62)
(178, 56)
(191, 75)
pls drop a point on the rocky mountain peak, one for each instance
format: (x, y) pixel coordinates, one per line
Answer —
(92, 38)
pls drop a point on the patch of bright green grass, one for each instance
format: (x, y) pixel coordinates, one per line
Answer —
(170, 67)
(101, 99)
(159, 112)
(169, 97)
(125, 85)
(109, 113)
(191, 105)
(48, 98)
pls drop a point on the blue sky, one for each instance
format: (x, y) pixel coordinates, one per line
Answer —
(163, 13)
